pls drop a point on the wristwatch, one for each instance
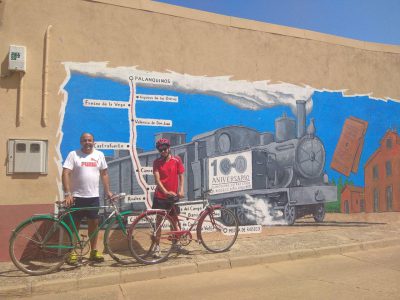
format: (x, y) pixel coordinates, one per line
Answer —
(67, 194)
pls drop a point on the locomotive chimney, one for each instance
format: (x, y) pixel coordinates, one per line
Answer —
(301, 118)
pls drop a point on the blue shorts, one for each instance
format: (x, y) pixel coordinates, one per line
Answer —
(88, 213)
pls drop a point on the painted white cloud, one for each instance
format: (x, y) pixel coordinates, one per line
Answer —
(241, 93)
(244, 94)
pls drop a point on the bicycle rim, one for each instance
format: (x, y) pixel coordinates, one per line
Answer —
(147, 233)
(218, 230)
(116, 241)
(40, 246)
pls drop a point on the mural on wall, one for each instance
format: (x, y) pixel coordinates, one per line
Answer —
(272, 152)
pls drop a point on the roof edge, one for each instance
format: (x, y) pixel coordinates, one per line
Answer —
(235, 22)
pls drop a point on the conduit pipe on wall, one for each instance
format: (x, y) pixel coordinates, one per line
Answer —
(19, 99)
(44, 77)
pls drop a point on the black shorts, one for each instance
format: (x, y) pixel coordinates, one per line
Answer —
(88, 213)
(165, 204)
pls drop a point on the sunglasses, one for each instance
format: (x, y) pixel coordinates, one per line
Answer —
(162, 149)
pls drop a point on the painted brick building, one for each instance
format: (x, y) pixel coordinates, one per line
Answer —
(352, 200)
(382, 176)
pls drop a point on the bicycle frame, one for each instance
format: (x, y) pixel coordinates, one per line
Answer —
(75, 232)
(65, 217)
(179, 233)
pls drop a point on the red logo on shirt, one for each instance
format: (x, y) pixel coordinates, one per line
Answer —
(89, 164)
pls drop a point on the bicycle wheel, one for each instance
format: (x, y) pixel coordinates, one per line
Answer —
(116, 240)
(39, 246)
(151, 237)
(218, 230)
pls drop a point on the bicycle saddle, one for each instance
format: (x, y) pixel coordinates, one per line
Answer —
(172, 200)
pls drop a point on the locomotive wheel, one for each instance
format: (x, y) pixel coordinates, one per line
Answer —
(226, 218)
(290, 214)
(319, 213)
(241, 215)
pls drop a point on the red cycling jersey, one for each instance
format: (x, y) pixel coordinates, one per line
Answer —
(169, 171)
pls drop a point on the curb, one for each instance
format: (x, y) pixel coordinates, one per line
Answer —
(159, 272)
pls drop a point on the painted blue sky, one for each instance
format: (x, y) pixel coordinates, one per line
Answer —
(367, 20)
(195, 114)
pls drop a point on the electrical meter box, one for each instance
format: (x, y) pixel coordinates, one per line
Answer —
(17, 58)
(27, 156)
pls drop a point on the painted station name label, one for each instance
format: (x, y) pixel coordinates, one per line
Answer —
(145, 170)
(157, 98)
(250, 229)
(105, 103)
(153, 122)
(151, 79)
(111, 146)
(135, 198)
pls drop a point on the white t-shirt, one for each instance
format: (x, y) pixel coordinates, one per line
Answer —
(85, 172)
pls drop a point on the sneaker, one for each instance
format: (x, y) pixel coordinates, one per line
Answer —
(96, 256)
(72, 259)
(157, 252)
(179, 250)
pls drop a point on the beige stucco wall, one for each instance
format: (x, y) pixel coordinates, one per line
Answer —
(159, 37)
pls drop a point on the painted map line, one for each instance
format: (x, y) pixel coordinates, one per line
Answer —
(146, 80)
(111, 146)
(152, 122)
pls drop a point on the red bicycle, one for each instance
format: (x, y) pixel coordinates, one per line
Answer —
(156, 232)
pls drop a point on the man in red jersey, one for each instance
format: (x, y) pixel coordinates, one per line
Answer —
(168, 173)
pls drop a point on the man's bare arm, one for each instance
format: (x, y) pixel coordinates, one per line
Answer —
(106, 182)
(66, 179)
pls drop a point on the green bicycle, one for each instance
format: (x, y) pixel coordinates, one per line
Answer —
(41, 244)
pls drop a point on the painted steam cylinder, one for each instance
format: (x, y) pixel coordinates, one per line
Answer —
(266, 138)
(284, 129)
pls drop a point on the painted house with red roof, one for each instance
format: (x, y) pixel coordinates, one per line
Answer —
(382, 176)
(352, 199)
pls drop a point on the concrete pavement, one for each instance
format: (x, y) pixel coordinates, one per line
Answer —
(338, 234)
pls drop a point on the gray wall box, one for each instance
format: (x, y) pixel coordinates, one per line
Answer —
(27, 156)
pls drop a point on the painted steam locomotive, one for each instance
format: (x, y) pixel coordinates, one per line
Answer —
(285, 169)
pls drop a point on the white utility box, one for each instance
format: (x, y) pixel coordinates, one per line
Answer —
(17, 58)
(27, 156)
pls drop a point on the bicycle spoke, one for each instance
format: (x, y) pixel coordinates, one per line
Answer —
(42, 257)
(215, 232)
(150, 240)
(116, 241)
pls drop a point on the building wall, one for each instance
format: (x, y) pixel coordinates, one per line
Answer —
(116, 35)
(382, 181)
(160, 37)
(353, 196)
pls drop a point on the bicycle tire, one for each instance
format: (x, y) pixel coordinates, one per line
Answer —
(215, 233)
(116, 240)
(31, 255)
(142, 238)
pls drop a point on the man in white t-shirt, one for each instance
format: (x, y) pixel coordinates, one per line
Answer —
(80, 177)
